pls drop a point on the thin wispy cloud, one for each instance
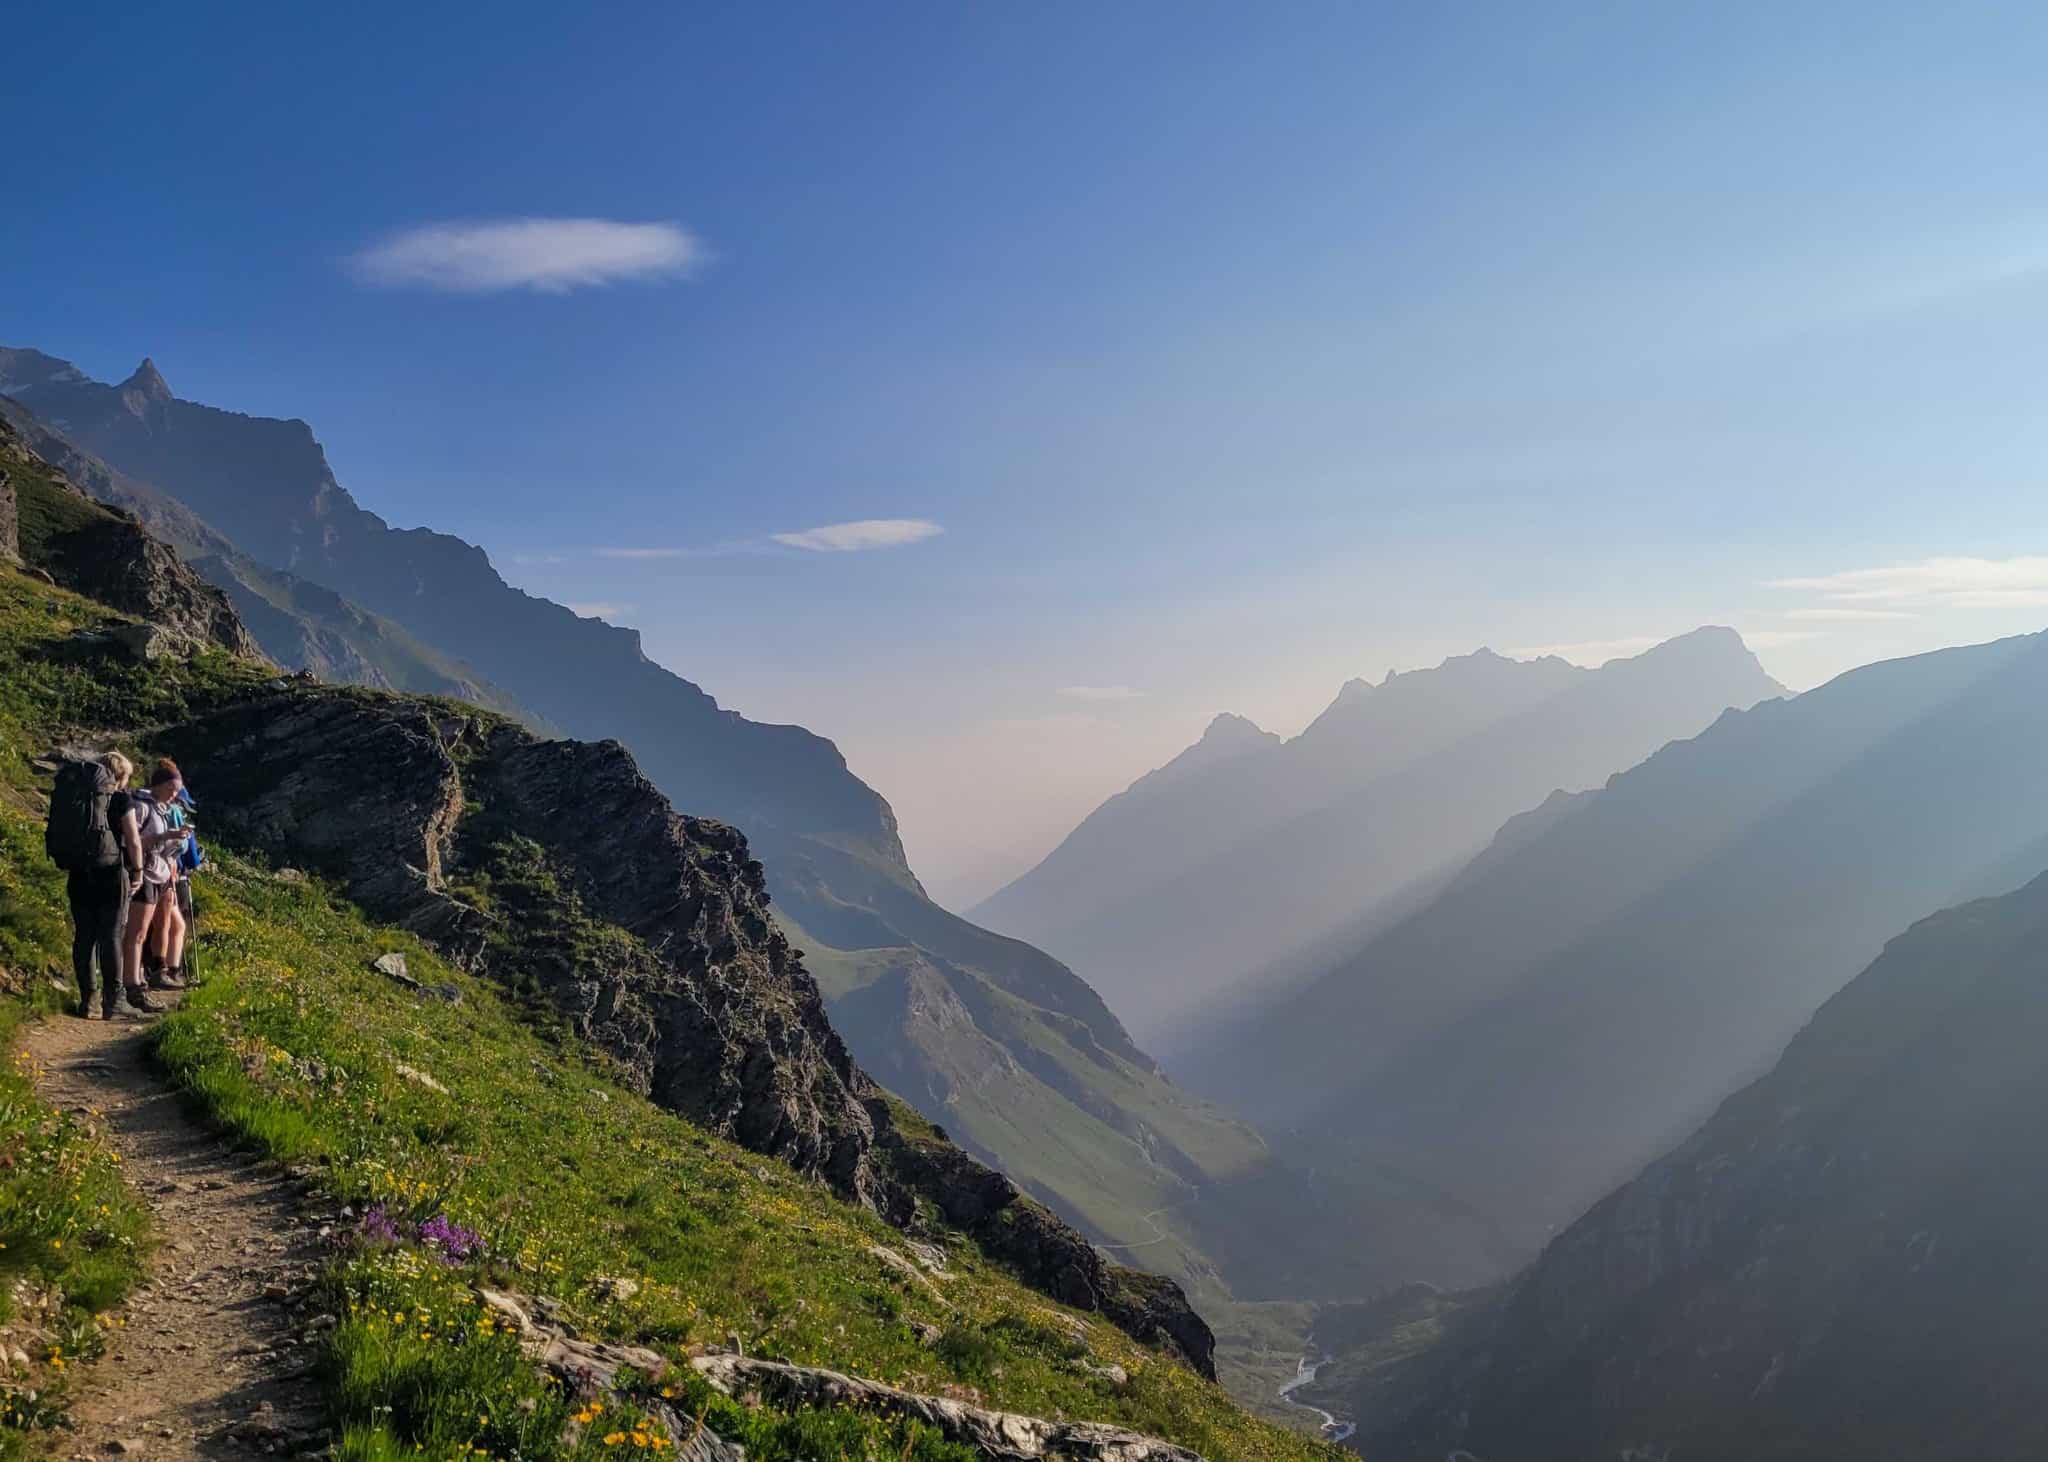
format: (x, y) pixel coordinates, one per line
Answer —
(533, 558)
(1934, 583)
(639, 552)
(1100, 693)
(601, 610)
(866, 533)
(547, 255)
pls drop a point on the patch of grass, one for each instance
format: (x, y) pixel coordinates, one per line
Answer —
(73, 1242)
(48, 510)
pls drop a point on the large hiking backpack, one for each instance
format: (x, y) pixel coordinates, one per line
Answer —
(80, 833)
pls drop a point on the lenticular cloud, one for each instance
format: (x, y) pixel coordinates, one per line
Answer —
(550, 255)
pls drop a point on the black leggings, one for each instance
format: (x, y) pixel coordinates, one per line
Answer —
(99, 916)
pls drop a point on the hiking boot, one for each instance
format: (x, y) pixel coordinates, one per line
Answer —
(138, 999)
(163, 979)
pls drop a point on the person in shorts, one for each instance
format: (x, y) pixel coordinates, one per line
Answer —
(156, 890)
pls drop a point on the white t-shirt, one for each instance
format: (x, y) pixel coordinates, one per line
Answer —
(159, 863)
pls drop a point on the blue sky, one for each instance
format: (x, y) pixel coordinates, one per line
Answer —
(1235, 350)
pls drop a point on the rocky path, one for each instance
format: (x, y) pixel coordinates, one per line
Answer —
(212, 1362)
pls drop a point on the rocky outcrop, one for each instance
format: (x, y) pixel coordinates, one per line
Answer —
(401, 801)
(363, 788)
(731, 1030)
(557, 867)
(117, 562)
(1002, 1436)
(589, 1370)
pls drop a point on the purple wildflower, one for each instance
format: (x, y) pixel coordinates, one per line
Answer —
(380, 1227)
(455, 1242)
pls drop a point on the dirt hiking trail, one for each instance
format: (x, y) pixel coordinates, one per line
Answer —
(212, 1362)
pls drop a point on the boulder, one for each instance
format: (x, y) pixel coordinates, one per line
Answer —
(142, 643)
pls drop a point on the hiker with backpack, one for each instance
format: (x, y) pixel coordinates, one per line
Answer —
(154, 900)
(92, 835)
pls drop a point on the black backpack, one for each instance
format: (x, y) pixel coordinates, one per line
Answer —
(80, 833)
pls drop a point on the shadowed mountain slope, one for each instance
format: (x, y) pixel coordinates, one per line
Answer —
(1845, 1261)
(1181, 892)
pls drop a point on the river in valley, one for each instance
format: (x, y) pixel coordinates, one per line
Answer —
(1334, 1429)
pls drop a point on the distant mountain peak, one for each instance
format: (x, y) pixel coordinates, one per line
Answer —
(1230, 729)
(1483, 661)
(1709, 645)
(148, 382)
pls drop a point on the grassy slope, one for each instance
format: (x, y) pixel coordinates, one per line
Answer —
(1094, 1173)
(292, 1046)
(1050, 1126)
